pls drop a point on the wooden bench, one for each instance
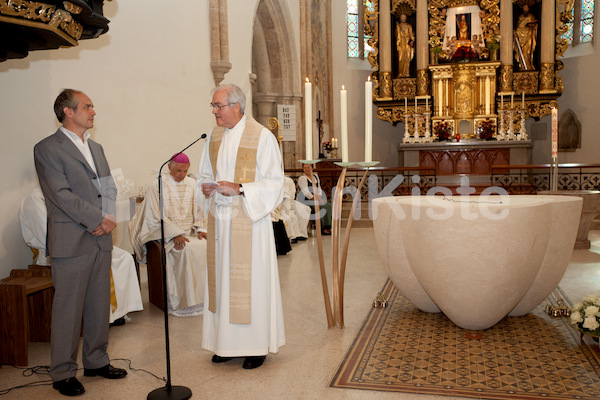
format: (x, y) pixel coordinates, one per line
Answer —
(25, 313)
(155, 275)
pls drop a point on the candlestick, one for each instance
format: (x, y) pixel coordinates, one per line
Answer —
(554, 132)
(344, 124)
(308, 118)
(368, 121)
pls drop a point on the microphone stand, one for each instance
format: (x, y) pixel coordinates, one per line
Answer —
(168, 392)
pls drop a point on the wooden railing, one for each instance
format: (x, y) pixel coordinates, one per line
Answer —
(404, 180)
(529, 179)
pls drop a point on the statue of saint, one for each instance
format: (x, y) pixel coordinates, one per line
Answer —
(525, 39)
(405, 42)
(463, 28)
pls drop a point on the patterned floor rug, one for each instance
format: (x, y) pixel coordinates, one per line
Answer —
(402, 349)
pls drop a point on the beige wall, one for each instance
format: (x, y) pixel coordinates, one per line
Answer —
(150, 80)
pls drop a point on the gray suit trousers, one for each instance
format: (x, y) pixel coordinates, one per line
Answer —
(82, 295)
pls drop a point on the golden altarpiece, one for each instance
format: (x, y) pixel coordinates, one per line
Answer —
(467, 69)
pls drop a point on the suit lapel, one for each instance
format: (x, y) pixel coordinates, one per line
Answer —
(68, 146)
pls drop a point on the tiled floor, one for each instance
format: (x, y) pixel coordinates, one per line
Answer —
(304, 366)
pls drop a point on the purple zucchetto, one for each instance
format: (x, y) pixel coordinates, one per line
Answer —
(180, 158)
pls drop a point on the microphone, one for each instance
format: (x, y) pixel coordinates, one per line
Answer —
(203, 136)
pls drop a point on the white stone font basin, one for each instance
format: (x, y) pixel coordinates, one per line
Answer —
(476, 258)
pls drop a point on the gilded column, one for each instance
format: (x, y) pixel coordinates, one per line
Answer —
(422, 48)
(547, 46)
(385, 50)
(506, 45)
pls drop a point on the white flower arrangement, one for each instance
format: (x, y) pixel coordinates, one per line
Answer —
(585, 316)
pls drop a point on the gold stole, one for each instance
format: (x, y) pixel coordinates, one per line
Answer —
(240, 269)
(113, 294)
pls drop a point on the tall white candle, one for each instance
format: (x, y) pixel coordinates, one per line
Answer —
(502, 101)
(368, 121)
(308, 118)
(405, 106)
(415, 105)
(554, 132)
(426, 103)
(344, 124)
(511, 100)
(522, 99)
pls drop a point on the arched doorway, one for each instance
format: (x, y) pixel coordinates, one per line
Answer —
(275, 63)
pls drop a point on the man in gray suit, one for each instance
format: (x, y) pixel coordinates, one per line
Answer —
(80, 198)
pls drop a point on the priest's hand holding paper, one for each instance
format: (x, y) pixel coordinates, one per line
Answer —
(228, 188)
(208, 187)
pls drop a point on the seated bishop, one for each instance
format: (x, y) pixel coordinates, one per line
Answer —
(125, 297)
(185, 244)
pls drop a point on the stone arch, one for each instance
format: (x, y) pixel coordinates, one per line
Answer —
(275, 67)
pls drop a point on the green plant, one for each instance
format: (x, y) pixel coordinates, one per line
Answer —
(493, 42)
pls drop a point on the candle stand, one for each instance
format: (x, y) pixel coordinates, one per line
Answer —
(511, 125)
(428, 138)
(522, 131)
(416, 134)
(339, 250)
(502, 128)
(406, 138)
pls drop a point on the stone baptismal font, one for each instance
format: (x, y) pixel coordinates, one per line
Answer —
(477, 259)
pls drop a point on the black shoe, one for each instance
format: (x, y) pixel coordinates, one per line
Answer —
(108, 372)
(69, 387)
(253, 362)
(118, 322)
(217, 359)
(326, 231)
(294, 240)
(301, 238)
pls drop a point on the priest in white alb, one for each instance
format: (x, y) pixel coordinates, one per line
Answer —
(241, 180)
(185, 245)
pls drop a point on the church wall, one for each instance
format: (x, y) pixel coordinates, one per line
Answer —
(149, 77)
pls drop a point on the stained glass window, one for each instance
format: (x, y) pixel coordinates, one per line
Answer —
(582, 30)
(587, 21)
(357, 40)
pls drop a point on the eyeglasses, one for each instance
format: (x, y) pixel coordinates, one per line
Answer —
(218, 107)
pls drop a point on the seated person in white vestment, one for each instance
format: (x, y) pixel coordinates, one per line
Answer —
(294, 213)
(32, 215)
(307, 192)
(185, 246)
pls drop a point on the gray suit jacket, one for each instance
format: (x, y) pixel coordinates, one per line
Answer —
(76, 198)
